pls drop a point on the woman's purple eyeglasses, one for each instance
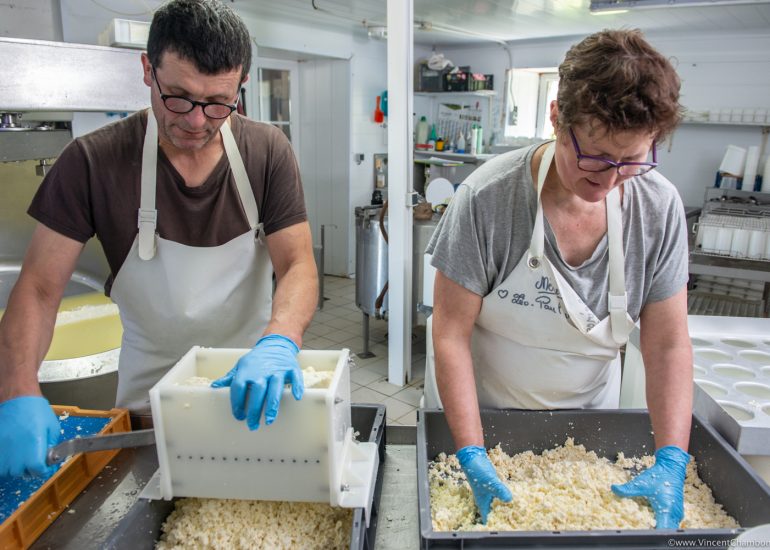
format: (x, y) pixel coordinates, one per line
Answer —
(589, 163)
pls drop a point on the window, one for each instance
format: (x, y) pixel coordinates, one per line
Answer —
(548, 88)
(532, 91)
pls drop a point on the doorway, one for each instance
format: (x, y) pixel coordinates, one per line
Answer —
(274, 96)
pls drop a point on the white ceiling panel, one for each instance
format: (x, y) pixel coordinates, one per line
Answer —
(446, 22)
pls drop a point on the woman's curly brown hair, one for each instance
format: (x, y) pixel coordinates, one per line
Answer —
(616, 80)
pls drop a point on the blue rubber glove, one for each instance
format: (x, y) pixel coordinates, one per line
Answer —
(28, 426)
(482, 478)
(662, 485)
(257, 380)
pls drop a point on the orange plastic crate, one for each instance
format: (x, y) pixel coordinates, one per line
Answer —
(29, 521)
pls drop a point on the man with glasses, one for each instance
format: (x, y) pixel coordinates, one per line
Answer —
(196, 207)
(547, 256)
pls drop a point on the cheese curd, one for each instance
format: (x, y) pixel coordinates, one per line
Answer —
(317, 378)
(213, 524)
(566, 488)
(197, 381)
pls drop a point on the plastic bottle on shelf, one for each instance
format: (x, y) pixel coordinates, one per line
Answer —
(432, 138)
(422, 131)
(460, 146)
(479, 142)
(474, 139)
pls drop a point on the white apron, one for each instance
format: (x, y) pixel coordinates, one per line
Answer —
(172, 296)
(536, 345)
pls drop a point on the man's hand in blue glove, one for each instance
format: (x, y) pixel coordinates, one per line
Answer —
(28, 426)
(482, 478)
(662, 485)
(258, 378)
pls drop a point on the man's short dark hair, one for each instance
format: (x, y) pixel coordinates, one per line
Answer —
(206, 32)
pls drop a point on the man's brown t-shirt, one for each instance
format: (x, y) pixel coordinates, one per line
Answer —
(94, 187)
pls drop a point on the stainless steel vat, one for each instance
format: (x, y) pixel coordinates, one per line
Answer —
(371, 260)
(422, 231)
(79, 283)
(87, 382)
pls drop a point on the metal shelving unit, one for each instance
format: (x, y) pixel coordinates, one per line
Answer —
(477, 93)
(713, 304)
(734, 203)
(764, 125)
(735, 268)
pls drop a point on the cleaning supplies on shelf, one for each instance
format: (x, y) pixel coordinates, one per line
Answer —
(432, 138)
(422, 132)
(460, 145)
(379, 116)
(384, 103)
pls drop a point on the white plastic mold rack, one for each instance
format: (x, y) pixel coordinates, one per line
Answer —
(731, 371)
(731, 368)
(308, 454)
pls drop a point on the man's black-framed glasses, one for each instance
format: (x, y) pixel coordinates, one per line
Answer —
(590, 163)
(182, 105)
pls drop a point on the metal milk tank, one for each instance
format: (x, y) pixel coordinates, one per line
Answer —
(371, 259)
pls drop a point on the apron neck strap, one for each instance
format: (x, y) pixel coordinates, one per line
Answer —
(148, 215)
(536, 245)
(238, 169)
(617, 299)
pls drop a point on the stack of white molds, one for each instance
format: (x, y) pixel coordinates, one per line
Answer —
(745, 236)
(308, 454)
(731, 371)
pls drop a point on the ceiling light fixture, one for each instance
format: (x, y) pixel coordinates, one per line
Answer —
(605, 5)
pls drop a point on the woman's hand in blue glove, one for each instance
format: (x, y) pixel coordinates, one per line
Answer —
(258, 378)
(662, 485)
(482, 478)
(28, 426)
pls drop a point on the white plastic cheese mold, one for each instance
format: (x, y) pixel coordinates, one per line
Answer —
(731, 372)
(731, 368)
(308, 454)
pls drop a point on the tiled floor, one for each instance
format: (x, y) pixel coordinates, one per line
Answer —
(340, 325)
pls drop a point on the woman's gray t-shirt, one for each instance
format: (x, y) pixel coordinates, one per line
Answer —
(488, 227)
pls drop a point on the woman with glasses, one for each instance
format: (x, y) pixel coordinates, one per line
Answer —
(196, 207)
(548, 255)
